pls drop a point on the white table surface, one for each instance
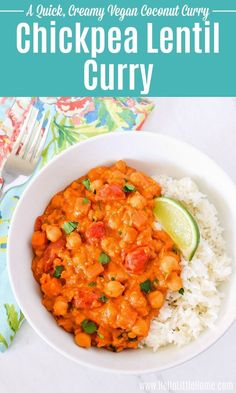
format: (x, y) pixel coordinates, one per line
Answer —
(31, 366)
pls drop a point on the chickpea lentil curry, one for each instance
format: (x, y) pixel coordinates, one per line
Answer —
(103, 268)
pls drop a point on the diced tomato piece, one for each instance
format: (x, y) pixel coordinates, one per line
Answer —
(38, 223)
(50, 285)
(110, 192)
(85, 298)
(39, 239)
(96, 231)
(126, 316)
(81, 208)
(139, 220)
(51, 253)
(94, 270)
(136, 260)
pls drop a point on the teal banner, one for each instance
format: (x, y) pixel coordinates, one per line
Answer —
(105, 48)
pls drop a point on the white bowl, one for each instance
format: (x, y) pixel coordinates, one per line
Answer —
(154, 154)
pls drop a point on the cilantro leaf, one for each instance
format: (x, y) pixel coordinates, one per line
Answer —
(70, 226)
(86, 183)
(146, 286)
(103, 298)
(104, 258)
(89, 326)
(129, 188)
(58, 270)
(181, 291)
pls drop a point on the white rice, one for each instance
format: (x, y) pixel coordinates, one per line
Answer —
(184, 317)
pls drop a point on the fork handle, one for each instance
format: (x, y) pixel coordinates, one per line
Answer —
(10, 182)
(6, 185)
(1, 189)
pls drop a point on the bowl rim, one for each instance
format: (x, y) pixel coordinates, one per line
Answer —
(31, 181)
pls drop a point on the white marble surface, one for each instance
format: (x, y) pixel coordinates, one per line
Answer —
(31, 366)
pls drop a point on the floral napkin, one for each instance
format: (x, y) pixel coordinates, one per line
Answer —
(73, 119)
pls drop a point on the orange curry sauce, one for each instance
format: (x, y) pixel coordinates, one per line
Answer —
(102, 267)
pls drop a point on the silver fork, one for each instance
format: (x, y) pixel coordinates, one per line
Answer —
(26, 152)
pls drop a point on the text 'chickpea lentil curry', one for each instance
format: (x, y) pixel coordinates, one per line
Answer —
(102, 267)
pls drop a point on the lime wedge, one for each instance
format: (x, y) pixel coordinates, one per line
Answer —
(180, 225)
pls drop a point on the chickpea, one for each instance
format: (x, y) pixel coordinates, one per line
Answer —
(73, 241)
(108, 314)
(114, 288)
(66, 324)
(60, 306)
(95, 214)
(129, 235)
(114, 222)
(68, 193)
(83, 340)
(96, 173)
(137, 299)
(139, 220)
(137, 201)
(74, 185)
(50, 286)
(169, 263)
(48, 303)
(57, 200)
(121, 166)
(156, 299)
(132, 335)
(116, 177)
(95, 185)
(81, 208)
(138, 179)
(53, 233)
(56, 262)
(174, 282)
(161, 235)
(152, 190)
(140, 328)
(94, 270)
(126, 317)
(157, 245)
(79, 318)
(110, 246)
(80, 257)
(144, 237)
(117, 272)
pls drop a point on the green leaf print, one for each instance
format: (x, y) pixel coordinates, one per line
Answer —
(103, 112)
(3, 341)
(128, 116)
(61, 140)
(22, 317)
(13, 319)
(68, 135)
